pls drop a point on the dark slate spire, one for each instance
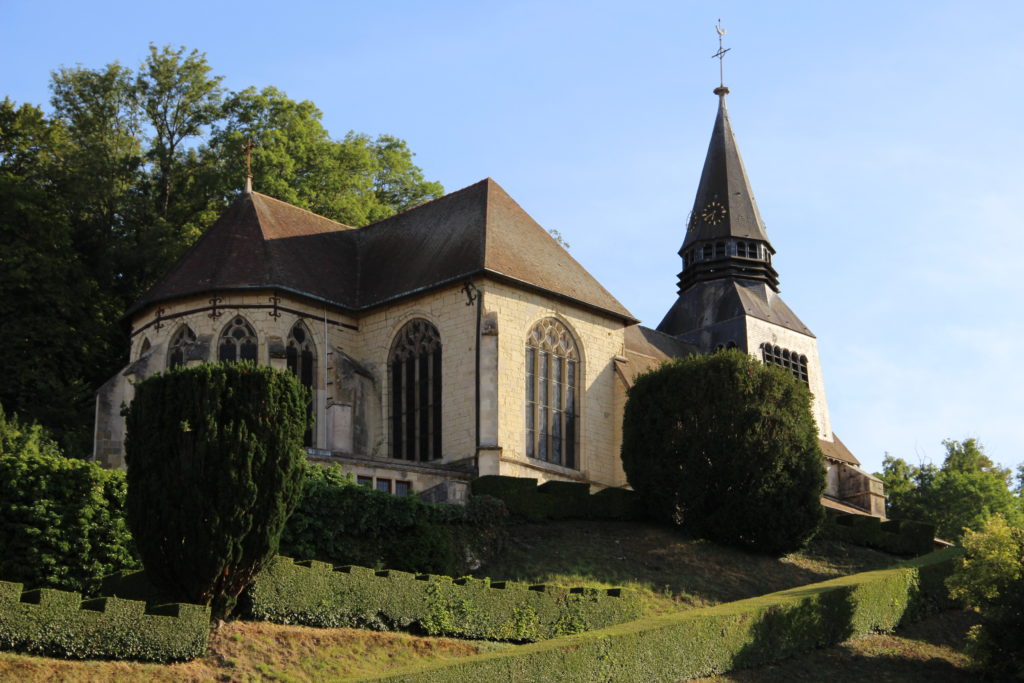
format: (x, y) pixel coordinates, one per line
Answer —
(725, 237)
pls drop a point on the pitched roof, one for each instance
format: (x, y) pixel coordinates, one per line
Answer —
(711, 302)
(260, 242)
(837, 450)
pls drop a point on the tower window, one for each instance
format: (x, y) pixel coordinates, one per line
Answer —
(784, 358)
(719, 249)
(414, 368)
(238, 341)
(707, 252)
(552, 380)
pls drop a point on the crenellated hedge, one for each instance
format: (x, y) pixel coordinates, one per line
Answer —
(317, 594)
(714, 640)
(60, 624)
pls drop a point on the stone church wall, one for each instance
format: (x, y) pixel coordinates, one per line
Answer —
(600, 340)
(760, 331)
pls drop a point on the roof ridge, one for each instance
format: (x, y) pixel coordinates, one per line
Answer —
(346, 226)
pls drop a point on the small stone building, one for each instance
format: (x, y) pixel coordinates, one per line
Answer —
(459, 339)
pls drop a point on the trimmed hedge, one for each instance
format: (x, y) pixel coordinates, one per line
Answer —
(896, 536)
(714, 640)
(340, 522)
(59, 624)
(315, 594)
(559, 499)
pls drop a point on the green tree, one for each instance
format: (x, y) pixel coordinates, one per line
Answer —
(964, 492)
(215, 466)
(49, 300)
(991, 580)
(100, 198)
(61, 519)
(727, 447)
(356, 181)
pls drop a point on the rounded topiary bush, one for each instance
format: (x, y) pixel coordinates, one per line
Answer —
(727, 447)
(215, 466)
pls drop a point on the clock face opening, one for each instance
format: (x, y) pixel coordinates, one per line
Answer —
(713, 213)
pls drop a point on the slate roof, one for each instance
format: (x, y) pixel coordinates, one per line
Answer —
(263, 243)
(724, 180)
(709, 303)
(837, 450)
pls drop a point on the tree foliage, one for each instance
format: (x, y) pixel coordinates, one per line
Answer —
(968, 489)
(100, 196)
(215, 463)
(991, 580)
(61, 519)
(727, 447)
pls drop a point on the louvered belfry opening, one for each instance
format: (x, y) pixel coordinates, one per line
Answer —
(552, 378)
(414, 369)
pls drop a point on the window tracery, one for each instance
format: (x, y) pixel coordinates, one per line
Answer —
(414, 369)
(301, 359)
(181, 344)
(552, 379)
(238, 341)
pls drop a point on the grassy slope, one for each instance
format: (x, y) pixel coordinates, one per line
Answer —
(674, 573)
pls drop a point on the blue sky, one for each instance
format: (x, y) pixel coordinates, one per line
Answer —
(883, 142)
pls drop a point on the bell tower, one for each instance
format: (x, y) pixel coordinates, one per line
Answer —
(728, 288)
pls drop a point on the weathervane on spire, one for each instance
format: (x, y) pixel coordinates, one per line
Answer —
(248, 147)
(721, 58)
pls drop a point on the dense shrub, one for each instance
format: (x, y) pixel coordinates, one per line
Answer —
(59, 624)
(341, 523)
(726, 446)
(991, 580)
(61, 520)
(215, 463)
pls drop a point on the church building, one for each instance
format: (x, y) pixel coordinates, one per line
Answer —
(459, 339)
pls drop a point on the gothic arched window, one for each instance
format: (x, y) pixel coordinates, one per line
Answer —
(414, 369)
(238, 341)
(145, 347)
(552, 391)
(301, 355)
(790, 360)
(181, 344)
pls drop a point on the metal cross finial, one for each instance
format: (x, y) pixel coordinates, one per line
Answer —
(720, 54)
(248, 147)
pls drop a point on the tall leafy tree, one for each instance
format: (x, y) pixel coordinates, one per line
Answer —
(180, 99)
(968, 489)
(98, 199)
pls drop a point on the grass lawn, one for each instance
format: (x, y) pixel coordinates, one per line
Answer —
(244, 651)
